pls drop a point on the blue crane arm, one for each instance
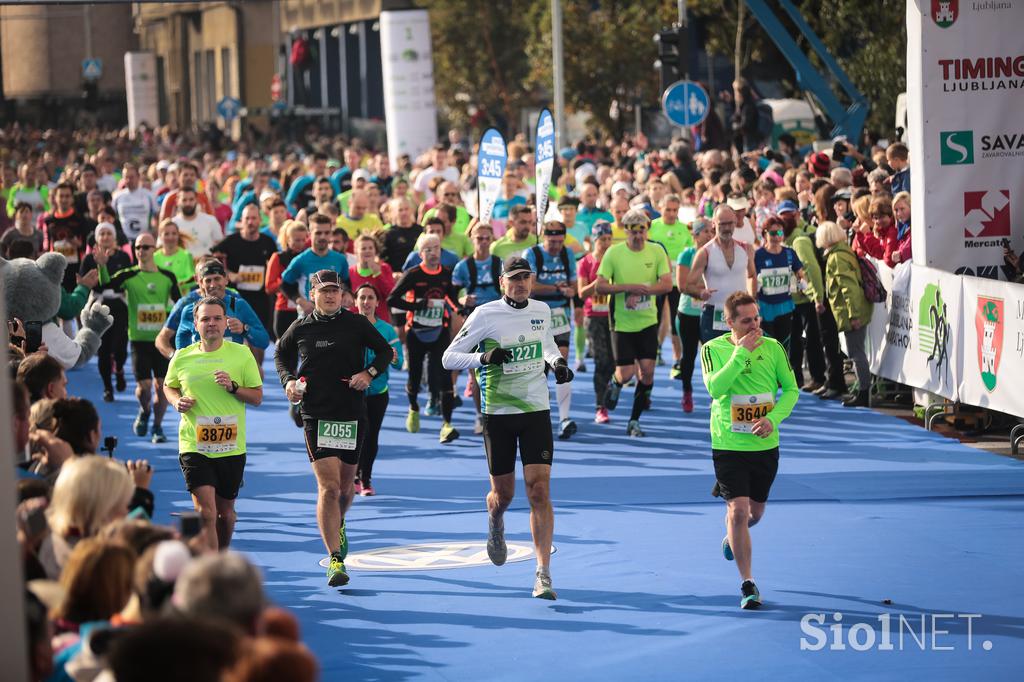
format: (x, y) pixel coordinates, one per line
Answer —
(847, 121)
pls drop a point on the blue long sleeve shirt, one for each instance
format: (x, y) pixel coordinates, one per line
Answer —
(182, 321)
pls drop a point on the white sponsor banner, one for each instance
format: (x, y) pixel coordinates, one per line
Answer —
(965, 86)
(140, 90)
(921, 319)
(410, 111)
(993, 345)
(490, 168)
(545, 163)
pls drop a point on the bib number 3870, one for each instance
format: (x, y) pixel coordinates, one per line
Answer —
(216, 435)
(333, 435)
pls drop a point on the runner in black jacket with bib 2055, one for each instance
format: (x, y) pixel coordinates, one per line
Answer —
(321, 362)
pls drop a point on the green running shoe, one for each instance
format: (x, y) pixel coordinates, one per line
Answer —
(343, 539)
(412, 421)
(336, 575)
(751, 597)
(726, 549)
(448, 433)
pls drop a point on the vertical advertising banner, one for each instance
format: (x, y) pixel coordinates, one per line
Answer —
(545, 162)
(965, 86)
(993, 345)
(407, 62)
(490, 168)
(920, 345)
(140, 90)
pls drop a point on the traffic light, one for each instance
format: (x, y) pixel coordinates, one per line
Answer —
(670, 56)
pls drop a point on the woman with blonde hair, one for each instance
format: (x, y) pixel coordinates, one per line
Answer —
(90, 492)
(171, 254)
(293, 239)
(850, 307)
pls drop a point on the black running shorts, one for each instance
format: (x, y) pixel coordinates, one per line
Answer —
(628, 347)
(531, 431)
(223, 473)
(147, 361)
(746, 474)
(316, 452)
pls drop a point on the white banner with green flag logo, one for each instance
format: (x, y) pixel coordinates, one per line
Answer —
(965, 86)
(915, 335)
(993, 345)
(545, 162)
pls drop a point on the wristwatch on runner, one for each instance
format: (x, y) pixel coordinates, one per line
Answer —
(372, 371)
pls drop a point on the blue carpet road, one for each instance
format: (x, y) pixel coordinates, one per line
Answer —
(866, 509)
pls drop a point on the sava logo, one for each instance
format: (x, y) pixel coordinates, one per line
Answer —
(956, 147)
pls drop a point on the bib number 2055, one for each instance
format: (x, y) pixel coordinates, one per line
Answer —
(336, 435)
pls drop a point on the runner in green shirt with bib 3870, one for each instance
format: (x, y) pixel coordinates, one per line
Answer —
(743, 371)
(210, 382)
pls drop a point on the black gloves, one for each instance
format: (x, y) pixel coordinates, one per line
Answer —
(562, 372)
(496, 356)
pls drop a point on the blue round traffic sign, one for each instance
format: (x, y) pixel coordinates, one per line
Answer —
(686, 103)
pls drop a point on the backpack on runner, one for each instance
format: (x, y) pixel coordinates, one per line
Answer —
(870, 281)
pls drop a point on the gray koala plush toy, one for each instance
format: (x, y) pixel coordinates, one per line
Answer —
(31, 290)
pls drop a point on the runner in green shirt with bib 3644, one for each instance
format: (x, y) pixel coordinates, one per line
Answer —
(743, 371)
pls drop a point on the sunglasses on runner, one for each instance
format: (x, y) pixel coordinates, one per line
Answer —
(144, 247)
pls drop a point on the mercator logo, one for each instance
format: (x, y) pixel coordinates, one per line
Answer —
(956, 147)
(987, 214)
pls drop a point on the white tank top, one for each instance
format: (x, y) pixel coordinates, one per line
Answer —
(718, 275)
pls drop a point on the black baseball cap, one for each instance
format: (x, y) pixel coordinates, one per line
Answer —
(515, 265)
(321, 279)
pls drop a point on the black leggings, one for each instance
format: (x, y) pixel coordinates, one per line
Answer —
(600, 337)
(282, 320)
(780, 329)
(376, 406)
(438, 379)
(114, 343)
(689, 334)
